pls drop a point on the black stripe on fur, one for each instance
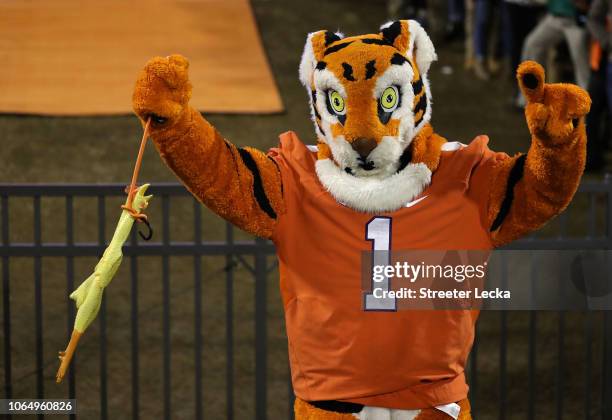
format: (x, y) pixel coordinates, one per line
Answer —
(392, 31)
(258, 188)
(516, 173)
(375, 41)
(330, 38)
(370, 69)
(348, 72)
(336, 47)
(314, 104)
(417, 86)
(421, 105)
(320, 128)
(405, 159)
(398, 59)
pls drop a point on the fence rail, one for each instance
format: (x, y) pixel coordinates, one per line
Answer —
(236, 251)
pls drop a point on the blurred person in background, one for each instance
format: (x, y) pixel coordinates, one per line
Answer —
(523, 16)
(562, 22)
(469, 34)
(408, 9)
(455, 26)
(486, 36)
(599, 119)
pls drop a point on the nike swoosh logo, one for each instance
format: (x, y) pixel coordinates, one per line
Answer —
(412, 203)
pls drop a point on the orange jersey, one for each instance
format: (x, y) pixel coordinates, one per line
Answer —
(339, 351)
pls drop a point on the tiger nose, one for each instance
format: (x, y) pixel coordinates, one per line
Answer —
(363, 146)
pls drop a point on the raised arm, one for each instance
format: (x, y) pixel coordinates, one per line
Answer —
(529, 190)
(241, 185)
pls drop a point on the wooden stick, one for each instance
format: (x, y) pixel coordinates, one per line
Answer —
(66, 356)
(143, 142)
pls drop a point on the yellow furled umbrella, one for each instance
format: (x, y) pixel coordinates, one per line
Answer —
(88, 296)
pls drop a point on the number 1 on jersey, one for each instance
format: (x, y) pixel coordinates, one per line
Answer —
(378, 231)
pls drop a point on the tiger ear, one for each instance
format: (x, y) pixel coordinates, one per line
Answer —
(409, 37)
(316, 43)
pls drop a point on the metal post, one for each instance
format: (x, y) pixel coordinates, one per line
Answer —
(69, 302)
(588, 362)
(533, 326)
(40, 392)
(291, 399)
(6, 302)
(135, 332)
(532, 364)
(260, 334)
(103, 358)
(607, 326)
(560, 371)
(503, 347)
(166, 306)
(197, 303)
(229, 324)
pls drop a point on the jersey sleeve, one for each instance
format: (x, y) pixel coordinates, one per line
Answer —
(487, 178)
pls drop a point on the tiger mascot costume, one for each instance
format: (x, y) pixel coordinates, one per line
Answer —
(378, 169)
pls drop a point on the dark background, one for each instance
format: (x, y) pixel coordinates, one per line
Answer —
(103, 149)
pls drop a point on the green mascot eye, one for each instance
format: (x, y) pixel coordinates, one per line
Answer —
(336, 102)
(389, 99)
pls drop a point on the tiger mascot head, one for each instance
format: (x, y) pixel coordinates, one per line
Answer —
(369, 98)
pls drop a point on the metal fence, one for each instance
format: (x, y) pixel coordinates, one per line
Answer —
(597, 196)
